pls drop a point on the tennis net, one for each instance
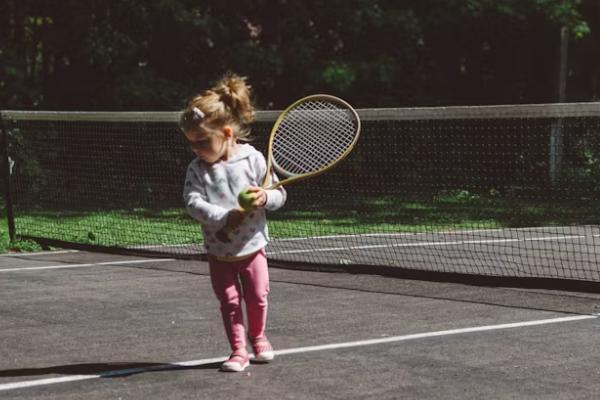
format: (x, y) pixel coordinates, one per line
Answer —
(509, 191)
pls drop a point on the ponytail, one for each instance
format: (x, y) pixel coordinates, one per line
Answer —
(235, 93)
(228, 102)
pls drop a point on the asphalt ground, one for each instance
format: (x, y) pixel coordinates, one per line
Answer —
(77, 325)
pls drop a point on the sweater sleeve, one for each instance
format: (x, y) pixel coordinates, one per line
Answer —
(196, 203)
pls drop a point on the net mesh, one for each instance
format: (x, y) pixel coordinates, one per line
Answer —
(494, 191)
(312, 136)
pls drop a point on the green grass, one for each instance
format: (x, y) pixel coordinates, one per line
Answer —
(454, 211)
(121, 227)
(6, 246)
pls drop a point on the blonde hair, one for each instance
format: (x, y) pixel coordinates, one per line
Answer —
(227, 103)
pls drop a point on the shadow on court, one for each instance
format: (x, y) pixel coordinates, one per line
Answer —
(117, 369)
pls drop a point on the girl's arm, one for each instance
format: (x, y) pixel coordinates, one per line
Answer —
(276, 197)
(197, 206)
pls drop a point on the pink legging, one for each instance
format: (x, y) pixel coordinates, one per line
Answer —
(232, 280)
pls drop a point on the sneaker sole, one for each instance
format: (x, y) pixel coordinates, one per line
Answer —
(264, 357)
(234, 367)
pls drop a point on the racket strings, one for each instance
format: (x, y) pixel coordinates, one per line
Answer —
(312, 136)
(310, 157)
(296, 147)
(295, 165)
(324, 134)
(303, 158)
(306, 159)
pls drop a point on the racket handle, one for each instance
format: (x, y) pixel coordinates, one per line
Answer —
(274, 186)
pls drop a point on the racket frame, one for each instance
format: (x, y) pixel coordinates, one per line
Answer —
(291, 178)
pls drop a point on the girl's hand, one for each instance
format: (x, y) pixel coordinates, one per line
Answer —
(260, 196)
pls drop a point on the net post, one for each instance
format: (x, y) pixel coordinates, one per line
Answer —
(556, 152)
(7, 167)
(556, 130)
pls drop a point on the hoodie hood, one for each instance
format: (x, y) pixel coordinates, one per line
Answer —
(244, 151)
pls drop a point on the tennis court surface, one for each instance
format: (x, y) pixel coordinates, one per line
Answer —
(96, 326)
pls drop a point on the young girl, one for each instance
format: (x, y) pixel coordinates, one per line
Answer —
(214, 123)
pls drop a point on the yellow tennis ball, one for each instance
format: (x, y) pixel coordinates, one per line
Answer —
(245, 199)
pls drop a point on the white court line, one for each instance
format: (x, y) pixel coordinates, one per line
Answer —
(332, 346)
(63, 266)
(427, 244)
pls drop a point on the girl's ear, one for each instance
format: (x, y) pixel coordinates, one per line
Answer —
(228, 131)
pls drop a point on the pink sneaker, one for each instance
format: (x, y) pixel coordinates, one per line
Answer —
(237, 362)
(263, 351)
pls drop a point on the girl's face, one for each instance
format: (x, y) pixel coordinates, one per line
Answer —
(209, 146)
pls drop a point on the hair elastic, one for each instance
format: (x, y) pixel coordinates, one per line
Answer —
(198, 114)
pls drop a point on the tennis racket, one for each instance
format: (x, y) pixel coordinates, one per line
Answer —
(308, 138)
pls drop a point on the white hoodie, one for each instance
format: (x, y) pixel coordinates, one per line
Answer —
(211, 191)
